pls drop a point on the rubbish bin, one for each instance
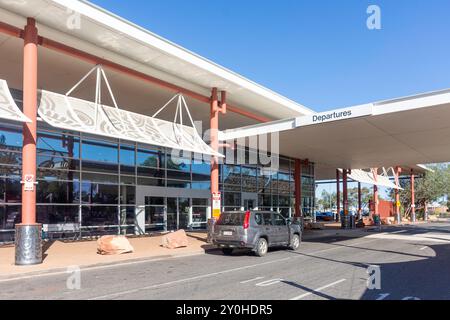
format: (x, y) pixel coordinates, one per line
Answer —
(348, 221)
(211, 223)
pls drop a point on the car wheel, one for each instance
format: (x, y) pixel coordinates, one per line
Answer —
(227, 251)
(261, 247)
(295, 242)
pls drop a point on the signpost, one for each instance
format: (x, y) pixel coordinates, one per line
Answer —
(29, 182)
(216, 204)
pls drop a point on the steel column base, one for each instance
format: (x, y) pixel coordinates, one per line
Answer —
(28, 244)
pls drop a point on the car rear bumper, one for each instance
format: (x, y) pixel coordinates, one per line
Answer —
(232, 244)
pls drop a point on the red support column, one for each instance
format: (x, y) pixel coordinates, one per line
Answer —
(345, 192)
(398, 170)
(338, 195)
(413, 199)
(375, 199)
(214, 130)
(28, 233)
(298, 188)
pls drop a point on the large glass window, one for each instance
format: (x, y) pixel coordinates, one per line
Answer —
(49, 191)
(10, 139)
(100, 219)
(151, 158)
(59, 145)
(10, 190)
(99, 151)
(96, 193)
(249, 181)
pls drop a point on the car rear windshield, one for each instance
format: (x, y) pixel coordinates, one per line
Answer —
(231, 219)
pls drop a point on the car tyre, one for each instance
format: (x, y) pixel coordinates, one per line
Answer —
(295, 242)
(262, 247)
(227, 251)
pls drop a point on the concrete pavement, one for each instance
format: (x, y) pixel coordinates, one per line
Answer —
(412, 261)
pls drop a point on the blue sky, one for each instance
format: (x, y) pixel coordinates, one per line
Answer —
(319, 53)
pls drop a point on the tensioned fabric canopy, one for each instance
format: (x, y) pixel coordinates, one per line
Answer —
(368, 177)
(8, 108)
(70, 113)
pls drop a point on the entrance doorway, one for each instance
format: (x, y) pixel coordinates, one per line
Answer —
(249, 201)
(171, 209)
(178, 213)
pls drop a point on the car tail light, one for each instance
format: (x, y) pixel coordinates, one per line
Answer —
(247, 220)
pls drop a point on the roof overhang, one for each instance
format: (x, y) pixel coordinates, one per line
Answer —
(106, 35)
(401, 132)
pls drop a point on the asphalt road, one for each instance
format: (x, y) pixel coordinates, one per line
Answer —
(412, 263)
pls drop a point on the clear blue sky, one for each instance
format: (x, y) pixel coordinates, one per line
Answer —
(316, 52)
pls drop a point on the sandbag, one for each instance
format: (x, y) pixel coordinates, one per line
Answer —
(175, 240)
(112, 245)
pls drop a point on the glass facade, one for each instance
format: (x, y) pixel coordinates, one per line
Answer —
(260, 186)
(88, 186)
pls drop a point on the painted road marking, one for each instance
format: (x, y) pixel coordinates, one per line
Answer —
(423, 248)
(117, 294)
(439, 238)
(318, 290)
(400, 231)
(268, 282)
(251, 280)
(383, 296)
(93, 268)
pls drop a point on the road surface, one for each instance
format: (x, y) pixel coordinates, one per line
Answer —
(409, 262)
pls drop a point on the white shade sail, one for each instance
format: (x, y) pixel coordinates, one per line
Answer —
(70, 113)
(8, 108)
(367, 177)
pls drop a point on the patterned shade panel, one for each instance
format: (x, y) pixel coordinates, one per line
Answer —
(70, 113)
(8, 108)
(367, 177)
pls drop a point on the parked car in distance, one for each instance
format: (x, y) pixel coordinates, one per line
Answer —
(256, 230)
(325, 216)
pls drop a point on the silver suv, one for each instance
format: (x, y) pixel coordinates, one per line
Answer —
(256, 230)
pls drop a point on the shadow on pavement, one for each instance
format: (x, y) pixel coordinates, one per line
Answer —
(425, 279)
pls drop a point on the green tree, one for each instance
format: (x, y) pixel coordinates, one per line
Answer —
(429, 188)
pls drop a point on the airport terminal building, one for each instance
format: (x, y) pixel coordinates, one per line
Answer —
(107, 128)
(90, 182)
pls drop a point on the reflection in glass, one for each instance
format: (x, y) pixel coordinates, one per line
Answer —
(99, 151)
(58, 192)
(100, 219)
(95, 193)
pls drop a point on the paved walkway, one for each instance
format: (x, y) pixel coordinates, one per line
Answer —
(59, 255)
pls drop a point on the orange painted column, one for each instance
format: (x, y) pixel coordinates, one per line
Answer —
(30, 61)
(375, 199)
(28, 248)
(413, 198)
(298, 188)
(338, 195)
(345, 191)
(214, 140)
(398, 170)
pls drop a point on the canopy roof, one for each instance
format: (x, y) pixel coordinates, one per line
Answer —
(8, 108)
(402, 132)
(74, 114)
